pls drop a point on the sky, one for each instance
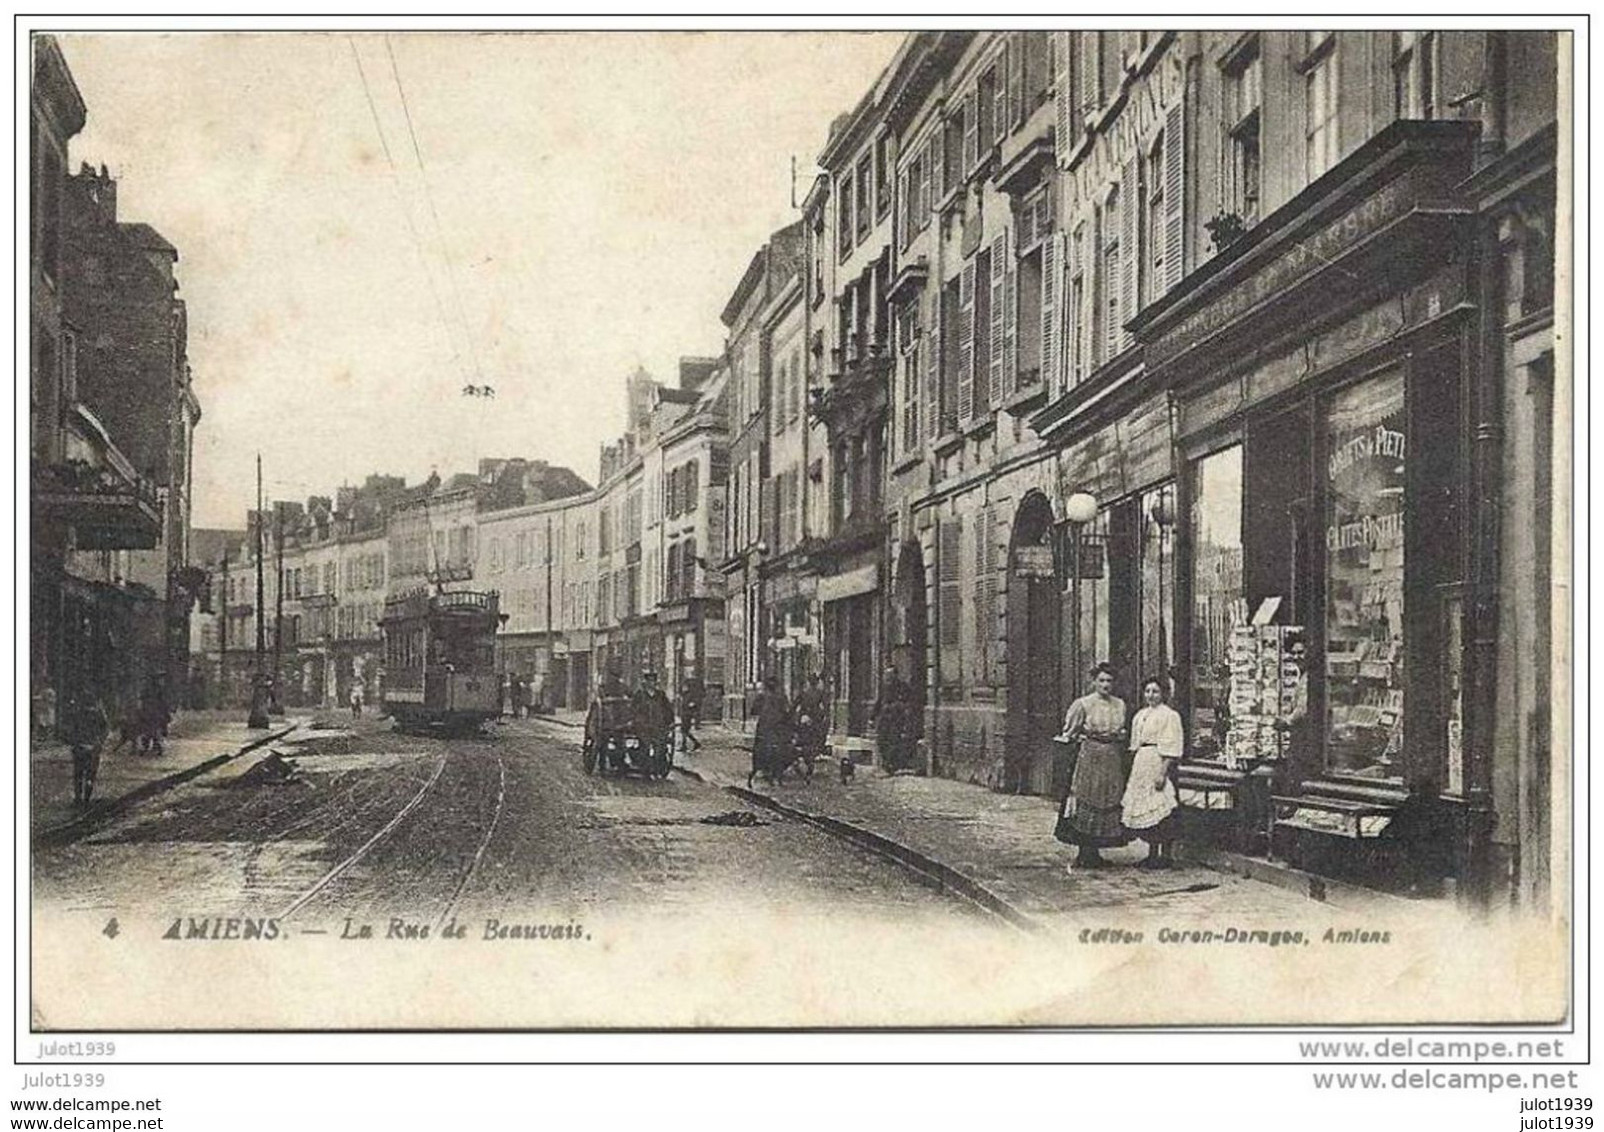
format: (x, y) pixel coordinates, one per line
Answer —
(584, 204)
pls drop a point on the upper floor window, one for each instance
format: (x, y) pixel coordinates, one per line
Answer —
(1321, 81)
(1110, 282)
(865, 194)
(843, 214)
(1414, 74)
(1153, 278)
(818, 242)
(882, 172)
(986, 110)
(953, 174)
(1243, 95)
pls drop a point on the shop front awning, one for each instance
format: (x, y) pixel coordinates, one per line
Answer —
(854, 583)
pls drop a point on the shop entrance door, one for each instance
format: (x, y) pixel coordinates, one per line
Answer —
(1035, 708)
(860, 663)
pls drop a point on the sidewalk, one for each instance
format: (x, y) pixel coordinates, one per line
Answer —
(196, 742)
(995, 849)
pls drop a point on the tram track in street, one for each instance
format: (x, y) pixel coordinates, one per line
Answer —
(431, 818)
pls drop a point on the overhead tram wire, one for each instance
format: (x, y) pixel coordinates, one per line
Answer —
(428, 196)
(406, 212)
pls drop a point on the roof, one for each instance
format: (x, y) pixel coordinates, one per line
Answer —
(207, 544)
(145, 237)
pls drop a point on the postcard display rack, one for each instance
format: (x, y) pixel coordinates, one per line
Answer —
(1264, 687)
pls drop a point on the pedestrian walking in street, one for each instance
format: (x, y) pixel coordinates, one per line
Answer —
(86, 732)
(690, 713)
(771, 741)
(813, 718)
(1148, 808)
(891, 710)
(356, 701)
(1090, 815)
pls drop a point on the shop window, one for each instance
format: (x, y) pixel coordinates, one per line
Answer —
(1218, 595)
(1090, 592)
(1364, 520)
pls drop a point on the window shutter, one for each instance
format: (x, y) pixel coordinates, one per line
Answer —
(904, 210)
(1174, 195)
(1090, 73)
(1063, 97)
(984, 594)
(999, 306)
(1002, 96)
(687, 564)
(1049, 312)
(671, 578)
(950, 603)
(937, 157)
(933, 372)
(971, 131)
(921, 190)
(1131, 209)
(692, 474)
(1010, 364)
(1017, 52)
(966, 342)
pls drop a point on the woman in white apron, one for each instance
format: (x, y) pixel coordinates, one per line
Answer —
(1148, 809)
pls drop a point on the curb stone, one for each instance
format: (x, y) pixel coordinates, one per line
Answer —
(941, 876)
(87, 822)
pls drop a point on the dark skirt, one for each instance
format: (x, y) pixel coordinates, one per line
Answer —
(1090, 815)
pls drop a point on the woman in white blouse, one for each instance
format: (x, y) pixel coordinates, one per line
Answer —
(1148, 809)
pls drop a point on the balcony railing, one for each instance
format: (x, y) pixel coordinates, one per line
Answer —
(97, 493)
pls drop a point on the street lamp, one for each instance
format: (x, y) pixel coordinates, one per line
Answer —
(1079, 509)
(1163, 515)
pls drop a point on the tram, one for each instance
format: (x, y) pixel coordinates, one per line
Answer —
(439, 660)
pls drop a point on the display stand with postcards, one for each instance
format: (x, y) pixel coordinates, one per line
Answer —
(1260, 702)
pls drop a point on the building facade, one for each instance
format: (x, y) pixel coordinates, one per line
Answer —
(751, 498)
(112, 414)
(1179, 300)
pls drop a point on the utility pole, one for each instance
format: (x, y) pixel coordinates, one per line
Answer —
(258, 716)
(273, 706)
(551, 644)
(222, 655)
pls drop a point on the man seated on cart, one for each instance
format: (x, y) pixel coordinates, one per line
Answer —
(654, 720)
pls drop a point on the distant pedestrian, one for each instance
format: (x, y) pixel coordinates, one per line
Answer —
(86, 732)
(891, 711)
(356, 701)
(690, 713)
(1149, 804)
(771, 741)
(813, 716)
(1090, 815)
(153, 715)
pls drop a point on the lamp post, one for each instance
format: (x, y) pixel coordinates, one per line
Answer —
(1079, 509)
